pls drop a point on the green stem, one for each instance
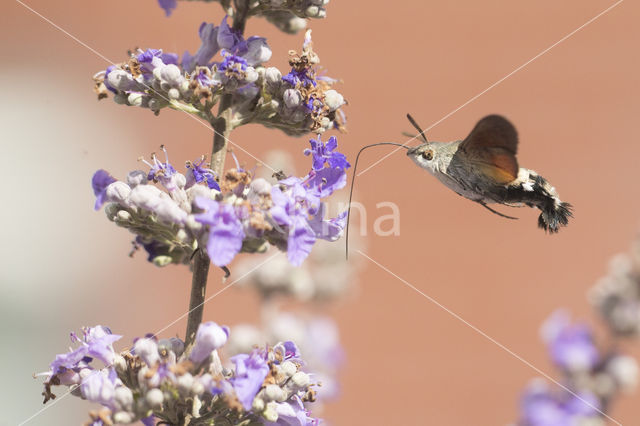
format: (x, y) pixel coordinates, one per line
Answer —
(198, 290)
(222, 126)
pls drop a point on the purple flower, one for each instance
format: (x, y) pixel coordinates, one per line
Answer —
(100, 180)
(100, 386)
(323, 183)
(302, 77)
(254, 50)
(571, 346)
(292, 413)
(162, 172)
(199, 173)
(541, 407)
(153, 58)
(168, 5)
(292, 211)
(230, 61)
(325, 154)
(209, 337)
(331, 229)
(250, 372)
(97, 342)
(225, 233)
(149, 421)
(209, 47)
(228, 38)
(300, 241)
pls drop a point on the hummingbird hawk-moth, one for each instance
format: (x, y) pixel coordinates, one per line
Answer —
(483, 168)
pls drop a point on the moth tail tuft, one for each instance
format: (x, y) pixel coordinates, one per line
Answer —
(554, 216)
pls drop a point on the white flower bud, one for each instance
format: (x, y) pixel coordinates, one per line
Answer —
(147, 350)
(270, 412)
(120, 363)
(333, 99)
(185, 382)
(300, 380)
(272, 75)
(173, 93)
(124, 398)
(209, 337)
(145, 196)
(251, 75)
(121, 80)
(297, 24)
(162, 260)
(171, 74)
(135, 99)
(179, 180)
(169, 212)
(118, 192)
(274, 393)
(288, 368)
(123, 216)
(258, 51)
(193, 225)
(197, 388)
(122, 417)
(260, 186)
(136, 177)
(85, 372)
(111, 210)
(624, 369)
(154, 398)
(258, 404)
(312, 11)
(292, 98)
(199, 191)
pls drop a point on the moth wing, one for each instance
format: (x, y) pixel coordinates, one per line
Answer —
(491, 147)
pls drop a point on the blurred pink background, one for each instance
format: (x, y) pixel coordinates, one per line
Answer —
(408, 361)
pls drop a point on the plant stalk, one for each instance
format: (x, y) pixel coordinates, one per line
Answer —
(222, 126)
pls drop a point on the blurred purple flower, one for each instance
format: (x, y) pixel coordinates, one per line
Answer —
(168, 6)
(100, 180)
(571, 346)
(541, 407)
(250, 372)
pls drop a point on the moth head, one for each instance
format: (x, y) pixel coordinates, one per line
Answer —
(425, 156)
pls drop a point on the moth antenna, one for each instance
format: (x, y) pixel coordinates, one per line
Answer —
(353, 179)
(418, 128)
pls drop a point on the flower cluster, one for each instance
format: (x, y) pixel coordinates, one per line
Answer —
(617, 296)
(157, 380)
(154, 79)
(297, 103)
(301, 99)
(288, 15)
(593, 377)
(317, 337)
(324, 276)
(238, 214)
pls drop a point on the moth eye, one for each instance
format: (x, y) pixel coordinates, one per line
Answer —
(428, 155)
